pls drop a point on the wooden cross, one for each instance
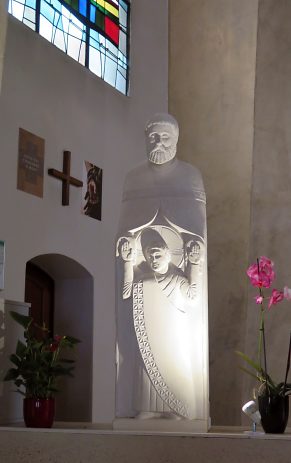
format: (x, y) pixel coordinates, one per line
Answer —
(66, 178)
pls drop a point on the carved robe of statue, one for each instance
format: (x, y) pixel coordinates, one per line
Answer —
(162, 363)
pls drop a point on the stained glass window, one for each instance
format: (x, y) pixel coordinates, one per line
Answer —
(93, 32)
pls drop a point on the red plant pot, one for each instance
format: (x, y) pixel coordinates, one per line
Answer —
(38, 413)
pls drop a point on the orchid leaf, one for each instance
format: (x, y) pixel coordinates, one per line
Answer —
(248, 372)
(72, 340)
(20, 392)
(270, 381)
(14, 359)
(253, 364)
(23, 320)
(19, 382)
(20, 349)
(11, 375)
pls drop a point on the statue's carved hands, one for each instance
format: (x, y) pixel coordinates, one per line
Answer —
(126, 249)
(192, 291)
(193, 252)
(127, 252)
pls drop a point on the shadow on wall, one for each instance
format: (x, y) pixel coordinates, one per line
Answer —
(72, 315)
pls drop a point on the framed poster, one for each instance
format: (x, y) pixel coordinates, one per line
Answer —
(30, 163)
(2, 262)
(92, 190)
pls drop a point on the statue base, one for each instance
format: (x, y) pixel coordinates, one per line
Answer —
(161, 425)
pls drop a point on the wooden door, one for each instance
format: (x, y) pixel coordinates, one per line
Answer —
(39, 292)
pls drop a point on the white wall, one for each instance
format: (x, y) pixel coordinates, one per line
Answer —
(49, 94)
(3, 28)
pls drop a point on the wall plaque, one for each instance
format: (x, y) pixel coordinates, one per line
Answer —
(30, 163)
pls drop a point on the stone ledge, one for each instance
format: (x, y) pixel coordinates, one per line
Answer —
(223, 432)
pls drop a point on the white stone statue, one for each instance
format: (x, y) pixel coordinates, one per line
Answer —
(162, 338)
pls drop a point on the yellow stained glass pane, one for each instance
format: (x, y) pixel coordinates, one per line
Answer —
(111, 9)
(100, 2)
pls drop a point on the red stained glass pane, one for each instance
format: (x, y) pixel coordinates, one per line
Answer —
(111, 30)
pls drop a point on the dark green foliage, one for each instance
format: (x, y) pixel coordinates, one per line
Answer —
(37, 364)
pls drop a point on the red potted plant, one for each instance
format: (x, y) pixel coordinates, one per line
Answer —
(37, 368)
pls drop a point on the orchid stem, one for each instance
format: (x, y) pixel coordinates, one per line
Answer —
(260, 330)
(288, 366)
(261, 326)
(262, 339)
(265, 359)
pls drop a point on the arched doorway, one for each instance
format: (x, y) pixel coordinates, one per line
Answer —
(72, 315)
(40, 293)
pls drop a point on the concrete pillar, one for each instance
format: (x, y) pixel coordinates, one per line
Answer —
(211, 93)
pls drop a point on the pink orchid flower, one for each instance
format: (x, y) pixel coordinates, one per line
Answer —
(266, 265)
(277, 296)
(259, 299)
(262, 275)
(287, 293)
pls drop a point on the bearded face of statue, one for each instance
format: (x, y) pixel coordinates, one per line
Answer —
(161, 142)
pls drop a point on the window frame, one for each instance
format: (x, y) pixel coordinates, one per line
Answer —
(88, 25)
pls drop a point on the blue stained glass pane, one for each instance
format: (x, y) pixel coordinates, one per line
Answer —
(123, 17)
(112, 51)
(122, 71)
(123, 5)
(120, 83)
(122, 60)
(102, 57)
(102, 42)
(82, 7)
(56, 4)
(92, 13)
(122, 42)
(94, 34)
(47, 11)
(110, 71)
(94, 39)
(30, 3)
